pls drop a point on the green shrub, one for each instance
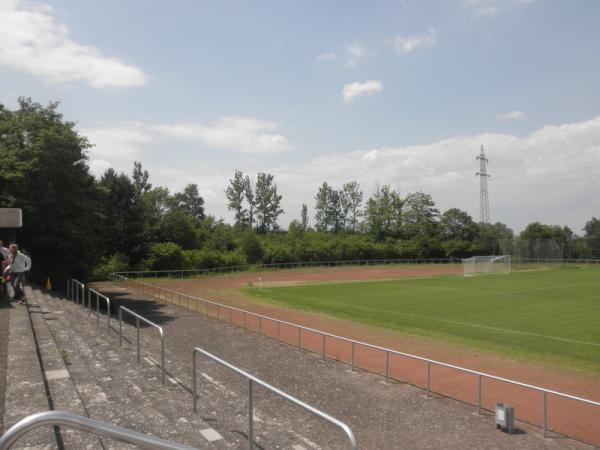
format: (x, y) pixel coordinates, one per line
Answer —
(164, 256)
(116, 263)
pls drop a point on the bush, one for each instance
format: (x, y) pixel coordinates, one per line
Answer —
(116, 263)
(251, 247)
(164, 256)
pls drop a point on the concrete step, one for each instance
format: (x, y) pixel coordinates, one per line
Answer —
(221, 407)
(115, 389)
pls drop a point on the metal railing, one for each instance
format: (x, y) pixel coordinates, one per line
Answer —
(254, 380)
(87, 425)
(180, 273)
(137, 326)
(76, 290)
(99, 296)
(171, 296)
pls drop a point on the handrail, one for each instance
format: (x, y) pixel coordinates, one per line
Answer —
(154, 289)
(85, 424)
(76, 287)
(252, 379)
(98, 297)
(137, 326)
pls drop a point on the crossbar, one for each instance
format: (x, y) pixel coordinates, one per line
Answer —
(254, 380)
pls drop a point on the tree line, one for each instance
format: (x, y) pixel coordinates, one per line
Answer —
(79, 225)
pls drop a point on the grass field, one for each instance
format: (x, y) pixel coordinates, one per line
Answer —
(551, 315)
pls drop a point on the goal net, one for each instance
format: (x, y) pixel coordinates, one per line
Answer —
(486, 264)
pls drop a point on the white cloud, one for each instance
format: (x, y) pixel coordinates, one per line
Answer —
(355, 53)
(488, 8)
(326, 57)
(119, 145)
(406, 44)
(243, 134)
(356, 89)
(513, 115)
(32, 41)
(551, 175)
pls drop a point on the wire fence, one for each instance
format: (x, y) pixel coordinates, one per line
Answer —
(189, 273)
(182, 273)
(551, 410)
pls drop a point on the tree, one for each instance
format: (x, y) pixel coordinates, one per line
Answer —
(140, 179)
(322, 199)
(179, 227)
(383, 213)
(235, 194)
(267, 203)
(457, 225)
(304, 216)
(419, 216)
(488, 235)
(43, 171)
(249, 195)
(191, 202)
(123, 224)
(592, 237)
(251, 247)
(351, 201)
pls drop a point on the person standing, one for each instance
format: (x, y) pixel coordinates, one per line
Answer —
(3, 254)
(18, 265)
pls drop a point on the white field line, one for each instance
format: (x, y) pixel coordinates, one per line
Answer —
(472, 325)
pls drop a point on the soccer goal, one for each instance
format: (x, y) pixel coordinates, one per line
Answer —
(486, 264)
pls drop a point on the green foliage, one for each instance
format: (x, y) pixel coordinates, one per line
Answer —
(178, 226)
(251, 247)
(209, 259)
(190, 202)
(267, 203)
(116, 263)
(383, 214)
(164, 256)
(43, 170)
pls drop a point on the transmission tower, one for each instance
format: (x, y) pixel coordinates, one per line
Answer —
(484, 201)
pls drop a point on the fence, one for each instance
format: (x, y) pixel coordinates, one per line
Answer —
(137, 326)
(86, 424)
(181, 273)
(395, 365)
(253, 380)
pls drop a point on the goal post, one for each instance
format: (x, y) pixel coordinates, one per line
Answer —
(477, 265)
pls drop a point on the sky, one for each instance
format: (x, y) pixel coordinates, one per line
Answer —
(390, 92)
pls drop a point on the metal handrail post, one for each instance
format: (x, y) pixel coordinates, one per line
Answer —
(98, 297)
(139, 318)
(254, 380)
(137, 326)
(68, 419)
(250, 416)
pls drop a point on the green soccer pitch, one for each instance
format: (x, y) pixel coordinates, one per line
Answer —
(550, 315)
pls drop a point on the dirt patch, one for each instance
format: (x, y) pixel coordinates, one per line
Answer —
(320, 275)
(564, 415)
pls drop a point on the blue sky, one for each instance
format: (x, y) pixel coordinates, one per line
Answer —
(400, 93)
